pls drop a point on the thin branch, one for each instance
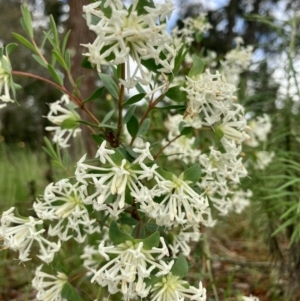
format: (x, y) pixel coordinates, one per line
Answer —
(77, 101)
(162, 149)
(151, 106)
(120, 102)
(58, 87)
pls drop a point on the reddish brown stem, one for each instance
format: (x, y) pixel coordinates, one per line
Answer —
(77, 101)
(162, 149)
(120, 102)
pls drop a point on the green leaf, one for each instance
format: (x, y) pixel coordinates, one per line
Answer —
(198, 66)
(128, 114)
(49, 148)
(109, 126)
(10, 48)
(60, 59)
(50, 38)
(127, 220)
(176, 94)
(192, 174)
(116, 235)
(68, 59)
(165, 174)
(24, 41)
(65, 41)
(97, 138)
(39, 60)
(56, 76)
(54, 32)
(180, 268)
(118, 156)
(108, 116)
(85, 63)
(69, 124)
(140, 7)
(185, 130)
(95, 95)
(134, 99)
(133, 126)
(130, 151)
(90, 124)
(218, 133)
(110, 85)
(152, 241)
(26, 20)
(151, 65)
(144, 127)
(106, 10)
(1, 52)
(6, 65)
(179, 59)
(69, 292)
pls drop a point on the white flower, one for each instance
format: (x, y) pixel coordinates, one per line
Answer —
(192, 27)
(130, 263)
(259, 130)
(236, 61)
(181, 241)
(129, 33)
(178, 202)
(5, 79)
(172, 288)
(66, 121)
(64, 202)
(49, 287)
(19, 234)
(113, 179)
(220, 172)
(263, 159)
(210, 97)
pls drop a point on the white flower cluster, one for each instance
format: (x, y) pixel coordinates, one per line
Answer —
(221, 173)
(169, 201)
(260, 128)
(49, 287)
(130, 264)
(19, 233)
(211, 100)
(139, 33)
(191, 26)
(236, 61)
(211, 106)
(5, 81)
(182, 238)
(66, 121)
(65, 203)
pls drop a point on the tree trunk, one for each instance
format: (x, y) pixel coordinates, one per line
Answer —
(80, 34)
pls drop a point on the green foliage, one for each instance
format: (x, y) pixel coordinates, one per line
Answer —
(110, 85)
(192, 174)
(116, 235)
(26, 21)
(198, 66)
(180, 268)
(134, 99)
(69, 292)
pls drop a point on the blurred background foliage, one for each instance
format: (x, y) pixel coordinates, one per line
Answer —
(270, 86)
